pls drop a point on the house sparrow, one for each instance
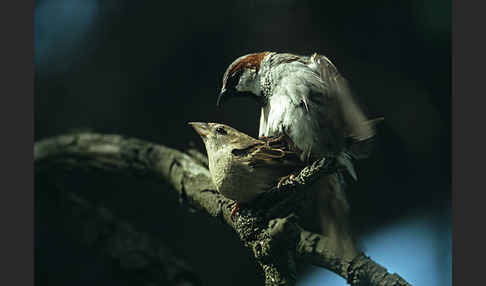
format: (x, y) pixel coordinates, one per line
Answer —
(307, 99)
(303, 97)
(241, 166)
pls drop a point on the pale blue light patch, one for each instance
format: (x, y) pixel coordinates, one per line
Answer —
(418, 248)
(60, 26)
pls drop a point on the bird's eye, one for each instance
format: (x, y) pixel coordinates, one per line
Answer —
(221, 130)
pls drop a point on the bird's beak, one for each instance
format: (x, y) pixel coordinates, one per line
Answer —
(201, 128)
(223, 95)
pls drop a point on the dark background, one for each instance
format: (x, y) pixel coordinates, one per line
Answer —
(146, 68)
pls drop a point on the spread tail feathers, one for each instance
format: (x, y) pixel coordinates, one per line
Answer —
(345, 159)
(334, 216)
(328, 215)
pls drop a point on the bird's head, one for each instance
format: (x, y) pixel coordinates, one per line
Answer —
(241, 78)
(219, 137)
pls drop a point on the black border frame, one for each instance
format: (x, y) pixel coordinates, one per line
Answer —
(467, 142)
(16, 123)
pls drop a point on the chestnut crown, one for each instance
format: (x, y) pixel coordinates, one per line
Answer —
(240, 78)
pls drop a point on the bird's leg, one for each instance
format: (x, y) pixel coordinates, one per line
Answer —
(236, 207)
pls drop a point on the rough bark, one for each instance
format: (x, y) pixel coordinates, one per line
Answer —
(268, 226)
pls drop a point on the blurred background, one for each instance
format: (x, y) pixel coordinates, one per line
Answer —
(146, 68)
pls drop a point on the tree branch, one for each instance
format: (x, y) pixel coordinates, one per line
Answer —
(268, 226)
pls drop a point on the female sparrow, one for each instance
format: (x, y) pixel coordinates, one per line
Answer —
(241, 166)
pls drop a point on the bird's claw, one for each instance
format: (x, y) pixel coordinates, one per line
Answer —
(289, 178)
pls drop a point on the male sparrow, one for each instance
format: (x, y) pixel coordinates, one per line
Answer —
(241, 166)
(305, 98)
